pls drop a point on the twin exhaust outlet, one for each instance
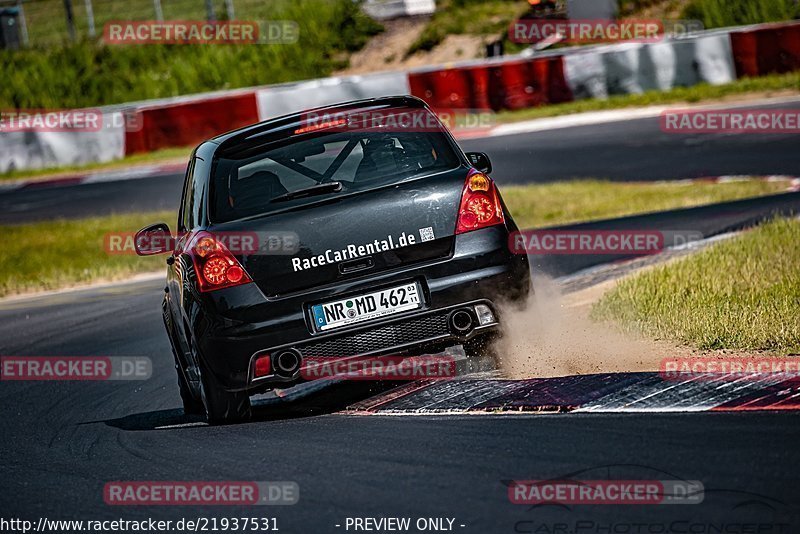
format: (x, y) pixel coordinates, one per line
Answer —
(461, 322)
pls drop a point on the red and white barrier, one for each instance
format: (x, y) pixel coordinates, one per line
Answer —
(187, 123)
(278, 100)
(39, 149)
(766, 49)
(511, 83)
(633, 68)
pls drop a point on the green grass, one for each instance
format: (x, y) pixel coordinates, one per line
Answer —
(50, 255)
(475, 17)
(46, 19)
(742, 294)
(723, 13)
(567, 202)
(88, 74)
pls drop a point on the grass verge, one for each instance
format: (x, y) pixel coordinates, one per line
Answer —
(741, 294)
(51, 255)
(568, 202)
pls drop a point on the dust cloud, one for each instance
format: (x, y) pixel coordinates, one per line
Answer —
(552, 336)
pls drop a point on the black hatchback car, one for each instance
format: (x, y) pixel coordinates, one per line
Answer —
(347, 231)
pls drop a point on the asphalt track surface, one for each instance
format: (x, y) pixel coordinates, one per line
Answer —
(634, 150)
(63, 441)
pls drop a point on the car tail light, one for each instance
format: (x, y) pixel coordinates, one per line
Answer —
(320, 126)
(263, 366)
(480, 204)
(216, 267)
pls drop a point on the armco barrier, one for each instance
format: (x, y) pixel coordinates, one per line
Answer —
(38, 150)
(633, 68)
(768, 49)
(292, 97)
(188, 123)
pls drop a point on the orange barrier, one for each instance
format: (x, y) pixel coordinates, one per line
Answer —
(189, 123)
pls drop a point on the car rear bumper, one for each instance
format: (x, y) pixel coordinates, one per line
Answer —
(481, 270)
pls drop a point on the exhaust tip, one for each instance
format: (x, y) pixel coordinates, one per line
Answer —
(287, 362)
(462, 322)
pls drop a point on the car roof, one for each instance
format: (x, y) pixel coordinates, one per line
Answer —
(249, 134)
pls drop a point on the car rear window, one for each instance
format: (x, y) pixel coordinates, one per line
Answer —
(358, 160)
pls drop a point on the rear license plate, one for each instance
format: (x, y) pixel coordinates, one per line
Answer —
(365, 307)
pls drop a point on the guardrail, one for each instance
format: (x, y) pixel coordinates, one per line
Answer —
(507, 83)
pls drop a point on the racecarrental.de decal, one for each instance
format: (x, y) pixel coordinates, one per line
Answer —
(354, 251)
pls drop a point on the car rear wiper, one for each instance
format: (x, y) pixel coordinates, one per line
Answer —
(319, 189)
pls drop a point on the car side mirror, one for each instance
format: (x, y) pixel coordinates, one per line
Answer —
(154, 239)
(480, 161)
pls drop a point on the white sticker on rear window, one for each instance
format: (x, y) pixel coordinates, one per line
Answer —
(426, 234)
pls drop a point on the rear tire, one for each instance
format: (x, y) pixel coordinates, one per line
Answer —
(191, 406)
(223, 407)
